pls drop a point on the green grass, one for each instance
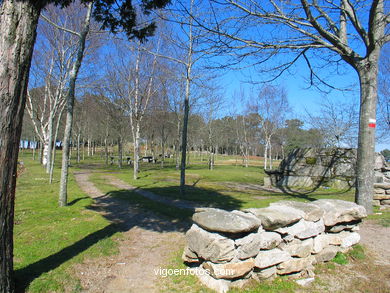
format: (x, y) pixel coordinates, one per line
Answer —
(278, 285)
(225, 187)
(340, 259)
(381, 216)
(357, 252)
(48, 240)
(140, 201)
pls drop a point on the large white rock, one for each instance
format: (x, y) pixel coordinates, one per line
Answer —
(327, 254)
(305, 282)
(250, 245)
(311, 212)
(229, 270)
(268, 258)
(349, 238)
(320, 242)
(266, 273)
(303, 229)
(216, 220)
(210, 246)
(295, 265)
(339, 211)
(298, 248)
(218, 285)
(277, 216)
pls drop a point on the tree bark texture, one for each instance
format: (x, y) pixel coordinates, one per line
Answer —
(368, 73)
(63, 196)
(19, 21)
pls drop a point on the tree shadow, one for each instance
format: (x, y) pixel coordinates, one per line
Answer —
(125, 209)
(289, 166)
(76, 200)
(24, 276)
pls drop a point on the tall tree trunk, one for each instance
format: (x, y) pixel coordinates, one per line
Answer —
(53, 157)
(270, 156)
(18, 21)
(63, 196)
(45, 151)
(368, 72)
(50, 142)
(120, 152)
(162, 152)
(106, 151)
(184, 140)
(89, 147)
(40, 154)
(83, 149)
(136, 152)
(78, 147)
(265, 155)
(33, 149)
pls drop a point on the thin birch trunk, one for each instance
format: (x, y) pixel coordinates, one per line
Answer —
(63, 196)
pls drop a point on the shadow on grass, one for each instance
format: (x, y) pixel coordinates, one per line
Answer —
(204, 197)
(305, 194)
(25, 276)
(77, 200)
(124, 209)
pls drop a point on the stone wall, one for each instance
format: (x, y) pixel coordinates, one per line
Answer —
(314, 168)
(227, 249)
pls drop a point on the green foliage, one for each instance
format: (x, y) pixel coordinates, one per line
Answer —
(340, 259)
(381, 216)
(311, 161)
(357, 252)
(122, 15)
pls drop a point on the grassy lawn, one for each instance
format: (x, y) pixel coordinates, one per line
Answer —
(226, 186)
(49, 239)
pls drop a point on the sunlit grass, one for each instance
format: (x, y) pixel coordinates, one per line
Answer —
(48, 240)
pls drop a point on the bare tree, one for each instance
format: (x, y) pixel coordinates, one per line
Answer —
(133, 82)
(337, 122)
(384, 93)
(70, 98)
(337, 29)
(272, 107)
(19, 20)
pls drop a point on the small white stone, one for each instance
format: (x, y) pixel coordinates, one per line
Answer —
(305, 282)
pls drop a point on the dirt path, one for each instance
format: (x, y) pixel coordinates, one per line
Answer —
(377, 239)
(146, 243)
(370, 275)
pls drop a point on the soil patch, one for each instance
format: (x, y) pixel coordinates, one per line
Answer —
(147, 241)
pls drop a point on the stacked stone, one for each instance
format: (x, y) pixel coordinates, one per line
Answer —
(382, 194)
(382, 185)
(227, 249)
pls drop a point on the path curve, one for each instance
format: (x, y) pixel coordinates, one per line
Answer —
(147, 242)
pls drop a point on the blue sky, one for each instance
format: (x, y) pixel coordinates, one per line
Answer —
(301, 98)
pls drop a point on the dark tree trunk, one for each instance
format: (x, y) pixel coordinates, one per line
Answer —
(368, 72)
(19, 21)
(105, 151)
(120, 152)
(184, 145)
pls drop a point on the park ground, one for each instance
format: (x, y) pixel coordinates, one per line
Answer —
(111, 238)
